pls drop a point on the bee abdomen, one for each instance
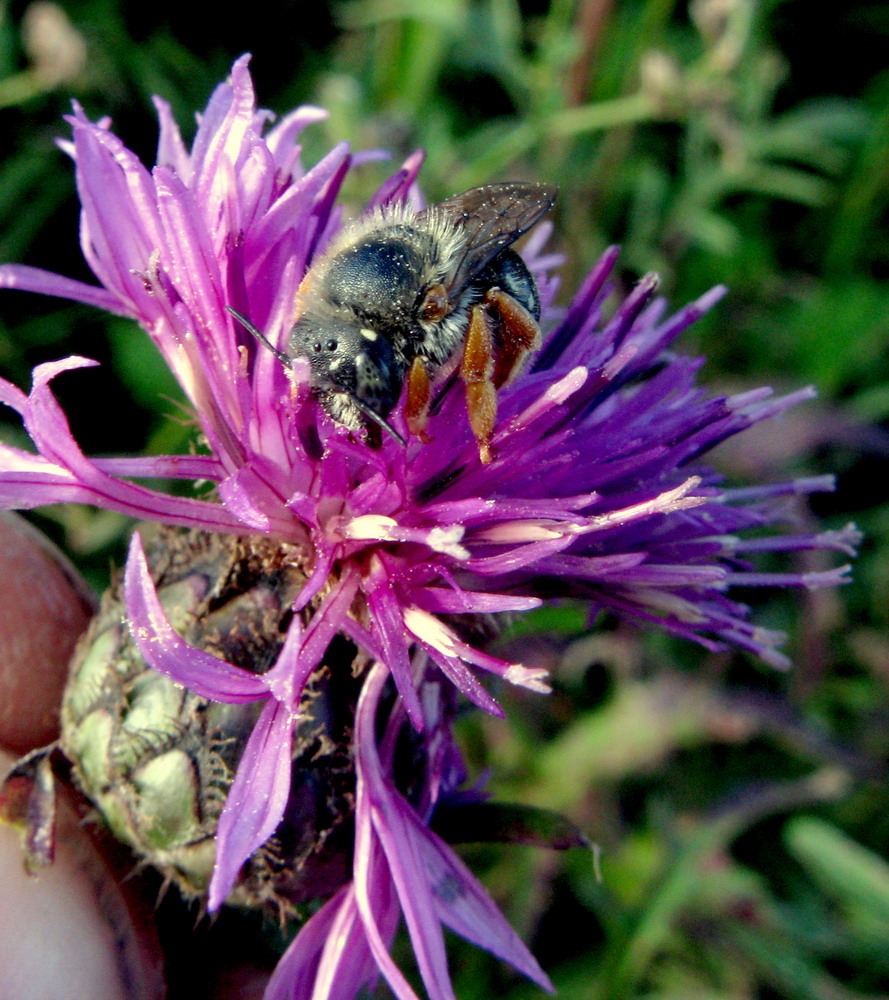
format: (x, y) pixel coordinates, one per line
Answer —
(510, 273)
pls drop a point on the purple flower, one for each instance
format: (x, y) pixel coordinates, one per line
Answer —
(595, 491)
(400, 867)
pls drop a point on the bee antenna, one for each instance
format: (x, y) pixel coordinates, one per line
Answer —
(261, 337)
(377, 419)
(288, 363)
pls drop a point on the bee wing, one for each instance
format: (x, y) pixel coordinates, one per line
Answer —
(490, 218)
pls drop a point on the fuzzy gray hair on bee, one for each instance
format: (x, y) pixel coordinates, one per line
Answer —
(408, 297)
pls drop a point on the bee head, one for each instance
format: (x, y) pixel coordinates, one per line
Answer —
(350, 385)
(347, 357)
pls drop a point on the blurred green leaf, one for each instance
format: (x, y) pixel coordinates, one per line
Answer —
(851, 874)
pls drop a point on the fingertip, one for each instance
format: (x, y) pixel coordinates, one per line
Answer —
(44, 607)
(74, 929)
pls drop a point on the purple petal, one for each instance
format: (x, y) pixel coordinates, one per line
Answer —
(330, 959)
(464, 680)
(347, 960)
(256, 798)
(288, 676)
(371, 873)
(12, 396)
(437, 637)
(163, 467)
(119, 230)
(328, 618)
(190, 259)
(441, 601)
(463, 904)
(250, 499)
(26, 489)
(398, 186)
(34, 279)
(296, 973)
(171, 151)
(375, 797)
(282, 138)
(50, 431)
(389, 628)
(415, 896)
(164, 650)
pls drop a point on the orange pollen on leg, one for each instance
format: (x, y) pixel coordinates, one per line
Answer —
(477, 350)
(419, 393)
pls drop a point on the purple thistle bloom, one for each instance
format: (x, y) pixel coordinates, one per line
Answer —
(595, 492)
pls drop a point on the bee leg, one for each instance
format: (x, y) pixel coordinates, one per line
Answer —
(517, 335)
(476, 370)
(419, 395)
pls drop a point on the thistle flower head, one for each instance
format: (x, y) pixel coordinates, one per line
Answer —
(596, 491)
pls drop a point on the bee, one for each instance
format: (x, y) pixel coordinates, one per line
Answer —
(404, 297)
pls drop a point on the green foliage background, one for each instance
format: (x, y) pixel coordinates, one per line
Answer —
(741, 816)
